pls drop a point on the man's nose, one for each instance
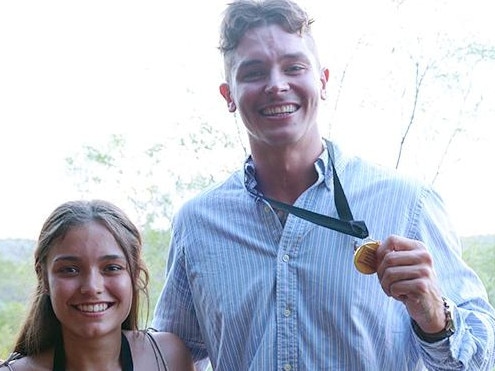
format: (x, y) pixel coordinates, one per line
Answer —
(276, 83)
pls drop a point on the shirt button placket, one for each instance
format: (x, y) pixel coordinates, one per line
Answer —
(286, 312)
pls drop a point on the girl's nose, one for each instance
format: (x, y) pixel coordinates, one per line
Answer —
(92, 283)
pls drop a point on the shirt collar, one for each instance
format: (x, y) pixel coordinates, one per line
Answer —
(322, 165)
(249, 175)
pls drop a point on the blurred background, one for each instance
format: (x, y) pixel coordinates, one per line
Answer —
(119, 100)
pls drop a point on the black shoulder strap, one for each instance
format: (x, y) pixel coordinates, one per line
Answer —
(14, 356)
(58, 356)
(126, 355)
(160, 359)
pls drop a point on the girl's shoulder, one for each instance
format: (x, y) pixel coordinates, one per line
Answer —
(19, 362)
(164, 349)
(174, 350)
(167, 340)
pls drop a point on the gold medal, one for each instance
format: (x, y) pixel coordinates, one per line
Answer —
(365, 257)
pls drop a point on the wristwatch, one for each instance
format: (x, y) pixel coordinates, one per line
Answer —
(448, 330)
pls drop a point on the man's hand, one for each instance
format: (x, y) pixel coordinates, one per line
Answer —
(405, 270)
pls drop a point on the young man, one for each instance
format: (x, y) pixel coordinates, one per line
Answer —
(253, 287)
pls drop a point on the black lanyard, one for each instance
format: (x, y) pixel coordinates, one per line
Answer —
(345, 224)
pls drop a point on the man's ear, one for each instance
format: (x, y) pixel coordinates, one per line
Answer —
(225, 91)
(325, 73)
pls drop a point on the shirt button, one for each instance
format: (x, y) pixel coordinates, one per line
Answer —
(285, 258)
(287, 312)
(287, 367)
(267, 209)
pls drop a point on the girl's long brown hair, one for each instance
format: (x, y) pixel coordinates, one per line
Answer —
(41, 328)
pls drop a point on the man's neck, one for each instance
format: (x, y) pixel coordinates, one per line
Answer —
(284, 175)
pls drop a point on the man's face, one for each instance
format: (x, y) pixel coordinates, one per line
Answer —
(276, 84)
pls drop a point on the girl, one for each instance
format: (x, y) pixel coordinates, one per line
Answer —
(84, 315)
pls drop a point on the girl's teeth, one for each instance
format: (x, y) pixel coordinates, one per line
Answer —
(92, 307)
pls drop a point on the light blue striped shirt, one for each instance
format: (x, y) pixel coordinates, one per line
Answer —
(252, 294)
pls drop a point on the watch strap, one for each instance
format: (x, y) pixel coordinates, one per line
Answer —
(447, 331)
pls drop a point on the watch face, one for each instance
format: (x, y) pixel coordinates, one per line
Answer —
(449, 322)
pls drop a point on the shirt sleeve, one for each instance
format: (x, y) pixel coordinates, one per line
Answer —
(174, 311)
(472, 346)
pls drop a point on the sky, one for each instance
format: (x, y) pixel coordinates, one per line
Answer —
(74, 73)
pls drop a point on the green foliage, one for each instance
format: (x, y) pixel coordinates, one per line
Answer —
(148, 182)
(101, 170)
(17, 279)
(479, 254)
(155, 252)
(11, 315)
(17, 283)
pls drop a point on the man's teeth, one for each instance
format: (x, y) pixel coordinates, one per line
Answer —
(289, 108)
(93, 308)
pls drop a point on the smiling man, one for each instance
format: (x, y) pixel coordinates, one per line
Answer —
(255, 280)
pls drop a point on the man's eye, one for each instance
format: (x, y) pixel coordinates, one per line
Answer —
(252, 75)
(295, 68)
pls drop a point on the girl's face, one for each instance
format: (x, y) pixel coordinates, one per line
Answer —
(89, 283)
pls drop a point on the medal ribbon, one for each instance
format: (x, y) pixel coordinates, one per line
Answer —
(345, 224)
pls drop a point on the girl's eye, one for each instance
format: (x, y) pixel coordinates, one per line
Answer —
(112, 268)
(68, 270)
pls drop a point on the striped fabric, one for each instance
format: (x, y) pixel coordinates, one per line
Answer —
(252, 294)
